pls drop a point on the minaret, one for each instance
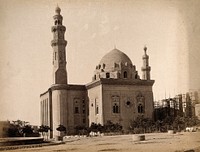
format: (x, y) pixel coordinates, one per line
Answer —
(146, 68)
(58, 44)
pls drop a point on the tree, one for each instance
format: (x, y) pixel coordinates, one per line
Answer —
(147, 124)
(44, 130)
(158, 125)
(13, 131)
(20, 125)
(61, 129)
(27, 130)
(93, 127)
(141, 125)
(168, 123)
(179, 123)
(81, 130)
(100, 128)
(112, 127)
(108, 127)
(189, 122)
(15, 128)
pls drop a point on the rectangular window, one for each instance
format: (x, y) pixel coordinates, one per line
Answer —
(76, 110)
(55, 55)
(97, 109)
(96, 106)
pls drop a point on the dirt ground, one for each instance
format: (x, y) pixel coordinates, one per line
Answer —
(159, 142)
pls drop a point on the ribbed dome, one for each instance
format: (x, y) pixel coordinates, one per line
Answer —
(115, 56)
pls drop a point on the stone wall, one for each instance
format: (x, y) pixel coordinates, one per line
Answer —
(69, 108)
(95, 104)
(128, 97)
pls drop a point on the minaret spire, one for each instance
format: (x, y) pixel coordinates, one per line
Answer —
(145, 50)
(59, 54)
(145, 68)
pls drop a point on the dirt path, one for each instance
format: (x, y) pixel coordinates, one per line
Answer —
(160, 142)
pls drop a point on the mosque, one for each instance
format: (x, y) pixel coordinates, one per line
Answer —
(116, 93)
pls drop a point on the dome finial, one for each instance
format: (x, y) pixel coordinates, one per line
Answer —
(58, 10)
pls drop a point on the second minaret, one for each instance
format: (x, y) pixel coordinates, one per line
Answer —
(145, 68)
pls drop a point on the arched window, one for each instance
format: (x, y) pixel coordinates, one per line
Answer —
(136, 76)
(125, 74)
(97, 109)
(104, 66)
(107, 75)
(56, 22)
(140, 108)
(55, 55)
(115, 105)
(115, 108)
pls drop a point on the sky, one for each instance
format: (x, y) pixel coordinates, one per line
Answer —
(169, 29)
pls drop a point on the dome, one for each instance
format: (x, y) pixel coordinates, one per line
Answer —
(57, 10)
(115, 56)
(115, 65)
(145, 56)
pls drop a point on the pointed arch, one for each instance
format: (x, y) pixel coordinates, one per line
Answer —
(125, 74)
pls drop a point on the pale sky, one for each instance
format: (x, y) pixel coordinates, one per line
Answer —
(169, 29)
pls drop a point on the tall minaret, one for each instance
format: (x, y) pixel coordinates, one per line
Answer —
(145, 68)
(58, 44)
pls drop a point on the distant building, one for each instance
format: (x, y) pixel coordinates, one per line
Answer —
(195, 97)
(186, 105)
(4, 125)
(116, 92)
(197, 110)
(170, 107)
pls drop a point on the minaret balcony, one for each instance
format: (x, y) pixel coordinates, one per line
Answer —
(145, 57)
(57, 16)
(58, 28)
(146, 68)
(58, 42)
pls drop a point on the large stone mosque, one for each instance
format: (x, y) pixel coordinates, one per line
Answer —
(116, 93)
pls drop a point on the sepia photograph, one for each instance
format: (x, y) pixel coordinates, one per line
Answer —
(100, 75)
